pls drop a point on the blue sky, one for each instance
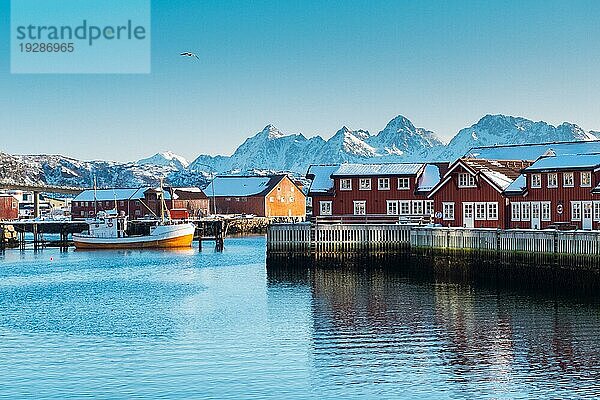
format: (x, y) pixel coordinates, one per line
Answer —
(312, 67)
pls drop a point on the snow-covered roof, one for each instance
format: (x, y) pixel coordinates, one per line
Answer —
(241, 185)
(321, 178)
(517, 186)
(533, 151)
(378, 169)
(429, 178)
(112, 194)
(560, 162)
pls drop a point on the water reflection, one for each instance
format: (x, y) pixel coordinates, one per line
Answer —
(384, 323)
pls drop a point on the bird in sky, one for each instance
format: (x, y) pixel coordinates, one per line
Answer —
(188, 54)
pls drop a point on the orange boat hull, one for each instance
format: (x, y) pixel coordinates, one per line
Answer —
(167, 243)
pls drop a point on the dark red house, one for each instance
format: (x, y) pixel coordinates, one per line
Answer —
(9, 207)
(471, 193)
(363, 192)
(557, 191)
(135, 203)
(271, 196)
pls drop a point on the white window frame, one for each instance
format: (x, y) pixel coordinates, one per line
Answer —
(325, 207)
(448, 211)
(360, 205)
(554, 175)
(466, 180)
(403, 183)
(479, 206)
(364, 184)
(428, 207)
(392, 207)
(576, 211)
(536, 181)
(417, 207)
(309, 201)
(515, 211)
(346, 184)
(572, 180)
(546, 211)
(404, 207)
(589, 176)
(525, 211)
(492, 211)
(383, 184)
(596, 214)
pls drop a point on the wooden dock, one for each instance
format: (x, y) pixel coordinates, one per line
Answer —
(347, 238)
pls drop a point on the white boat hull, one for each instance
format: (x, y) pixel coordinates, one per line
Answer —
(163, 237)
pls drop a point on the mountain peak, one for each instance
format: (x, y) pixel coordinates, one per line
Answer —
(271, 132)
(165, 158)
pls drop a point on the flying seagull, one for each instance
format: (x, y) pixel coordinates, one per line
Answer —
(188, 54)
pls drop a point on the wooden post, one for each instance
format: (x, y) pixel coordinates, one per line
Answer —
(2, 238)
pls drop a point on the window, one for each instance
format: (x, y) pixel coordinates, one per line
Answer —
(345, 184)
(515, 212)
(586, 179)
(596, 210)
(86, 204)
(292, 189)
(568, 179)
(536, 180)
(360, 207)
(325, 208)
(492, 211)
(417, 207)
(480, 211)
(383, 183)
(428, 207)
(282, 199)
(271, 199)
(525, 208)
(291, 199)
(392, 207)
(575, 211)
(553, 180)
(404, 207)
(545, 211)
(138, 213)
(364, 184)
(466, 180)
(403, 183)
(227, 198)
(309, 202)
(122, 203)
(448, 211)
(82, 213)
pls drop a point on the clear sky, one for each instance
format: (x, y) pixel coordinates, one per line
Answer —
(312, 67)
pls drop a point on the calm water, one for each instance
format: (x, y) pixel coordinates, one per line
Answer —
(190, 325)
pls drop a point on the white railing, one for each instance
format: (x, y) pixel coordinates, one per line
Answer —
(332, 238)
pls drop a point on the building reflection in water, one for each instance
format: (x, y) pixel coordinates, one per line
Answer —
(397, 320)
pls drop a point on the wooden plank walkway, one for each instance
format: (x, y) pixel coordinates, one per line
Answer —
(342, 238)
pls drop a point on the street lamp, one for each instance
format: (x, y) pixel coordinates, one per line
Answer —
(212, 185)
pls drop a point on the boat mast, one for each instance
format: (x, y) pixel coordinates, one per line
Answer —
(95, 200)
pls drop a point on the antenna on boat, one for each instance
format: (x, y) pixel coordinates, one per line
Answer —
(95, 199)
(163, 204)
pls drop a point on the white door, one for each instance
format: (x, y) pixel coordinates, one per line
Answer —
(468, 217)
(535, 215)
(586, 220)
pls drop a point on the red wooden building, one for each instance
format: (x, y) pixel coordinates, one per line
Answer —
(9, 207)
(271, 196)
(557, 191)
(360, 192)
(471, 193)
(135, 203)
(193, 200)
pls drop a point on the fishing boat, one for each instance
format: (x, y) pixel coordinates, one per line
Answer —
(108, 230)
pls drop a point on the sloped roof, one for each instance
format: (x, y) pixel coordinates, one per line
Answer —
(242, 186)
(378, 169)
(565, 162)
(517, 186)
(532, 151)
(429, 178)
(188, 194)
(115, 194)
(320, 176)
(501, 172)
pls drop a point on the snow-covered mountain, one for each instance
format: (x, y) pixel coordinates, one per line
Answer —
(165, 159)
(272, 150)
(502, 129)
